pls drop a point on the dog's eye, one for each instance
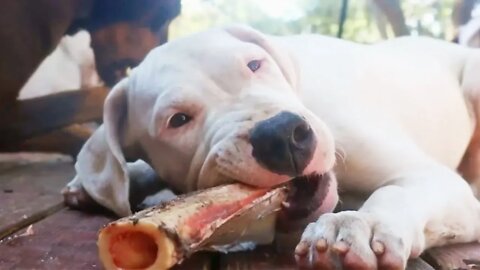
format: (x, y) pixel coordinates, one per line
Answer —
(254, 65)
(178, 120)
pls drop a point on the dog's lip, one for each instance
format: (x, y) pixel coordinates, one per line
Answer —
(305, 198)
(315, 176)
(307, 193)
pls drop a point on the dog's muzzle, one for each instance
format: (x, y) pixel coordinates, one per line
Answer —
(284, 143)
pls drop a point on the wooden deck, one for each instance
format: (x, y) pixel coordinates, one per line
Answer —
(38, 232)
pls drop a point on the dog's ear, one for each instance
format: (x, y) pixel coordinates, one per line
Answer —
(101, 166)
(281, 56)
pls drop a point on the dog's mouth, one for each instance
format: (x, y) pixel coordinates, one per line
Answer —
(306, 194)
(308, 197)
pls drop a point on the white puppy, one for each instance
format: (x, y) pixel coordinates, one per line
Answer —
(233, 104)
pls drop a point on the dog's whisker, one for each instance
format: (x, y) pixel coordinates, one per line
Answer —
(341, 156)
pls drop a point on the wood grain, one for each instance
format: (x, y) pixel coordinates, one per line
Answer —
(419, 264)
(262, 258)
(460, 256)
(265, 259)
(30, 192)
(66, 240)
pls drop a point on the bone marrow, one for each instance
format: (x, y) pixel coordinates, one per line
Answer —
(162, 236)
(133, 250)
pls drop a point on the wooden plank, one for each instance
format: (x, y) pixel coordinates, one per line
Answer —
(199, 261)
(419, 264)
(12, 160)
(65, 240)
(30, 192)
(460, 256)
(36, 116)
(67, 141)
(264, 258)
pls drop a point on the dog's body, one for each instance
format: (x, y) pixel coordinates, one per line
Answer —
(405, 90)
(399, 115)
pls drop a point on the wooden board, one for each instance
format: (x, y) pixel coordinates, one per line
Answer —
(30, 192)
(65, 240)
(32, 117)
(419, 264)
(262, 258)
(461, 256)
(68, 141)
(265, 259)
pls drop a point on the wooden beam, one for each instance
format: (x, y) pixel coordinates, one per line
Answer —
(32, 117)
(66, 141)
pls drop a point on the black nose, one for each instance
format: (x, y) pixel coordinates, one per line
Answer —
(284, 144)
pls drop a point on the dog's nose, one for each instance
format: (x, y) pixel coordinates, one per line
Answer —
(284, 144)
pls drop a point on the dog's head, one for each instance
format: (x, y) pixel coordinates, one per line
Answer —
(217, 107)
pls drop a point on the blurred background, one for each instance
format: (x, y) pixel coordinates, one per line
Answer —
(365, 20)
(62, 57)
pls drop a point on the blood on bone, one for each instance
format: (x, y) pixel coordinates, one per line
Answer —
(197, 223)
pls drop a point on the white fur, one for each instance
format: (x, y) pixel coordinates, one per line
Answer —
(398, 112)
(70, 66)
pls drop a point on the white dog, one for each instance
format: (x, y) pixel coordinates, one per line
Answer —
(233, 104)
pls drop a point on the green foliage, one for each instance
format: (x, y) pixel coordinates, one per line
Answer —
(365, 23)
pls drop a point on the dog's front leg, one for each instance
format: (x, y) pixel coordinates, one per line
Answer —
(419, 209)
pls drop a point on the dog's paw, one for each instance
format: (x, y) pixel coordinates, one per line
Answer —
(163, 196)
(350, 240)
(77, 197)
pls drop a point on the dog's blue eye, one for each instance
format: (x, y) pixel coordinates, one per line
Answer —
(254, 65)
(178, 120)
